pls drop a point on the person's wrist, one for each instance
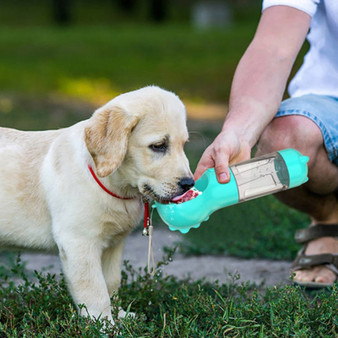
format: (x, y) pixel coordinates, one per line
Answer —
(241, 135)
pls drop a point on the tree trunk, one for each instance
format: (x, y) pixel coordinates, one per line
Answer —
(61, 12)
(158, 10)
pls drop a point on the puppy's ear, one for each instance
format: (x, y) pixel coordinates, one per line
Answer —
(107, 138)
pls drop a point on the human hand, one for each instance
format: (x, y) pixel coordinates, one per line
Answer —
(227, 148)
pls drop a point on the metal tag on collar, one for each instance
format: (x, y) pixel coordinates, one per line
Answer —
(145, 231)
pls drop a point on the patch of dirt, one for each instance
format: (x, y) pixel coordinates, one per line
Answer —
(211, 268)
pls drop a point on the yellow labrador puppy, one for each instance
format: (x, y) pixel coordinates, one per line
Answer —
(78, 190)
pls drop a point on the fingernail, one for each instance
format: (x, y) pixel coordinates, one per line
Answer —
(223, 177)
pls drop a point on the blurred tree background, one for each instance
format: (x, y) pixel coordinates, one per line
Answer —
(100, 48)
(72, 12)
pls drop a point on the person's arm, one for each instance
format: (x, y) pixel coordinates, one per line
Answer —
(257, 88)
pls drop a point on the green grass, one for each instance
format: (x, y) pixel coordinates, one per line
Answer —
(31, 112)
(165, 307)
(96, 62)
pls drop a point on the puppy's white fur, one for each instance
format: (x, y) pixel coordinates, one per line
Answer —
(50, 201)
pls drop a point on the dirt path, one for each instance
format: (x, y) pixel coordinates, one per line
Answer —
(211, 268)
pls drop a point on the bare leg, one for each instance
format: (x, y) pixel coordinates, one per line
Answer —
(318, 197)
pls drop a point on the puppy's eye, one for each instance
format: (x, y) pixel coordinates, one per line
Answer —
(159, 147)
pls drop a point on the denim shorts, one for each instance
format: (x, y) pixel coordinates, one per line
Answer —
(323, 111)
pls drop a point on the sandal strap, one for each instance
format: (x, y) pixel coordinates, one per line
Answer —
(316, 231)
(307, 261)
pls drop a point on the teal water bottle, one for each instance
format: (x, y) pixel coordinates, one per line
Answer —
(254, 178)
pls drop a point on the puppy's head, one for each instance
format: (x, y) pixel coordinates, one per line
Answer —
(142, 134)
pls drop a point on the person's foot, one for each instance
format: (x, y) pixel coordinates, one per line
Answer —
(318, 274)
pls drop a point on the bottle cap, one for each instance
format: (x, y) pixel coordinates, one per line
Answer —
(297, 166)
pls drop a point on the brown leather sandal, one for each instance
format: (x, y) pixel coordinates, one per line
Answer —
(303, 261)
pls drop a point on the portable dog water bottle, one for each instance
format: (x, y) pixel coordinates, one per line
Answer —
(254, 178)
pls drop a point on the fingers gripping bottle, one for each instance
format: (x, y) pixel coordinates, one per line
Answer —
(254, 178)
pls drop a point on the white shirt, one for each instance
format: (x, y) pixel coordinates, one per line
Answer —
(319, 72)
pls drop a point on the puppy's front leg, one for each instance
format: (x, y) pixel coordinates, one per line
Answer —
(81, 263)
(111, 264)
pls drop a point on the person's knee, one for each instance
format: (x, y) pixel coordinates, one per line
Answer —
(296, 132)
(304, 135)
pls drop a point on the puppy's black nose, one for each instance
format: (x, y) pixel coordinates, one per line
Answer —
(186, 183)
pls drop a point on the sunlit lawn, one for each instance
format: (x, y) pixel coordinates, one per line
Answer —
(96, 62)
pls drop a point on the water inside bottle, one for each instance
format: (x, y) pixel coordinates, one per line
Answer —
(261, 176)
